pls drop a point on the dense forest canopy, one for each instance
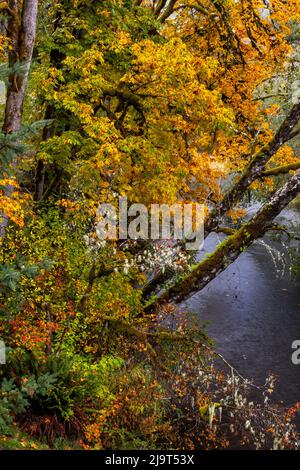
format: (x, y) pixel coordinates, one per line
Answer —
(161, 101)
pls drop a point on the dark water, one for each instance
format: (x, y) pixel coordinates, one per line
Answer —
(254, 312)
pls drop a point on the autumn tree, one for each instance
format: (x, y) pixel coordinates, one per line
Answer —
(142, 92)
(164, 101)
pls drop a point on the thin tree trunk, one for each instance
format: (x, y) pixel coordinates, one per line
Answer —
(41, 176)
(21, 33)
(228, 251)
(21, 30)
(41, 168)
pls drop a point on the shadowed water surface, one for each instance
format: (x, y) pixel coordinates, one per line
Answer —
(253, 310)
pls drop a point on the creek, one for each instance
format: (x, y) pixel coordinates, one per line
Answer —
(252, 311)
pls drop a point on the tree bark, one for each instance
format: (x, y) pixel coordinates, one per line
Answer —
(21, 32)
(165, 13)
(228, 251)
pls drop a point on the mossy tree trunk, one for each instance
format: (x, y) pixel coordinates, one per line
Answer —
(228, 251)
(254, 171)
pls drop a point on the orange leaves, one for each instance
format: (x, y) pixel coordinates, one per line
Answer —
(69, 205)
(13, 206)
(135, 407)
(173, 77)
(284, 156)
(122, 40)
(236, 214)
(12, 209)
(293, 410)
(147, 103)
(32, 336)
(283, 12)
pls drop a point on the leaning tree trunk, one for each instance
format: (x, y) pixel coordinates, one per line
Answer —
(255, 170)
(228, 251)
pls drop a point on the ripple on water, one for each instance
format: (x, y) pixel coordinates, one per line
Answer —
(254, 312)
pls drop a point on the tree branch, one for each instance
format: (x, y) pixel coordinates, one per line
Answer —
(254, 169)
(280, 170)
(168, 11)
(228, 251)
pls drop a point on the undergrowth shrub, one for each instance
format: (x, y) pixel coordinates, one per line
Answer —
(50, 397)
